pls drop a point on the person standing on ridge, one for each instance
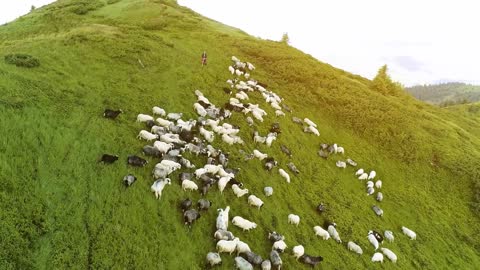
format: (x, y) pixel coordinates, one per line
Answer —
(204, 58)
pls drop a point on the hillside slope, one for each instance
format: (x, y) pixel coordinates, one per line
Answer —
(63, 209)
(446, 93)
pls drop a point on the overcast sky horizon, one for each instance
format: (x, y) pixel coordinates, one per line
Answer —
(422, 42)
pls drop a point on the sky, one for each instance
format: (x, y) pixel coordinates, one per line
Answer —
(422, 42)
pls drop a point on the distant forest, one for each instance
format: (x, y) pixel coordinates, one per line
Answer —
(446, 94)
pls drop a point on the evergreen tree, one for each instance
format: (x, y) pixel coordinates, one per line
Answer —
(285, 39)
(382, 83)
(32, 8)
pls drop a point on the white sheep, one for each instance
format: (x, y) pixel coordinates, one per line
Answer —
(257, 115)
(147, 135)
(363, 176)
(298, 251)
(242, 264)
(163, 122)
(319, 231)
(359, 172)
(241, 95)
(377, 257)
(228, 139)
(158, 111)
(203, 99)
(144, 118)
(279, 113)
(238, 72)
(354, 247)
(247, 75)
(231, 69)
(378, 184)
(243, 223)
(238, 191)
(340, 150)
(235, 59)
(188, 184)
(234, 101)
(293, 219)
(309, 122)
(208, 135)
(373, 240)
(369, 184)
(213, 169)
(409, 233)
(312, 129)
(227, 246)
(250, 121)
(250, 66)
(389, 236)
(242, 247)
(379, 196)
(157, 129)
(372, 175)
(275, 106)
(284, 174)
(222, 182)
(370, 191)
(222, 218)
(171, 138)
(259, 139)
(279, 246)
(175, 116)
(212, 123)
(213, 258)
(390, 255)
(334, 233)
(199, 172)
(199, 109)
(259, 154)
(198, 93)
(341, 164)
(255, 201)
(169, 165)
(267, 265)
(158, 186)
(268, 191)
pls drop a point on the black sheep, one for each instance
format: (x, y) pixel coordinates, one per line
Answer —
(112, 114)
(109, 159)
(136, 161)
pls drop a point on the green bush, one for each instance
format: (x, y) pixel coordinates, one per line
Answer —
(112, 1)
(22, 60)
(82, 7)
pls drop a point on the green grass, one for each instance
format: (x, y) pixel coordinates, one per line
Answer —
(62, 209)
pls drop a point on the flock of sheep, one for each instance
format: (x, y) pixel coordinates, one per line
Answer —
(172, 136)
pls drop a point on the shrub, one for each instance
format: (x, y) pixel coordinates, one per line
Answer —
(82, 7)
(22, 60)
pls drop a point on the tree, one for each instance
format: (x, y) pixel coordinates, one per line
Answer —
(382, 83)
(32, 8)
(285, 39)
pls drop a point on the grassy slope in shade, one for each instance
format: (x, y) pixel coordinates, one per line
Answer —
(61, 209)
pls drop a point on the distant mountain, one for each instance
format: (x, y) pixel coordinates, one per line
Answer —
(446, 93)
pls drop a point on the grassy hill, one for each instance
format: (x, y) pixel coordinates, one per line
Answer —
(62, 209)
(446, 93)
